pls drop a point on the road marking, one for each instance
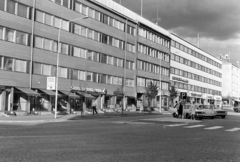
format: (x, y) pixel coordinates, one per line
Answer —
(175, 125)
(233, 130)
(215, 127)
(194, 126)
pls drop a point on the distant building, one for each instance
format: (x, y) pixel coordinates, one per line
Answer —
(196, 72)
(231, 81)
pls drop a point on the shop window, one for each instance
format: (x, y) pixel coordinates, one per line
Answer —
(8, 64)
(46, 70)
(1, 33)
(11, 6)
(39, 16)
(37, 68)
(22, 10)
(2, 4)
(21, 38)
(9, 35)
(20, 66)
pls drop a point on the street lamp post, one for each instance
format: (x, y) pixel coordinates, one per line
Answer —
(56, 89)
(160, 85)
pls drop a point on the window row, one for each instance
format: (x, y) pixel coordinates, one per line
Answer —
(195, 54)
(12, 64)
(195, 88)
(153, 37)
(15, 8)
(51, 45)
(194, 65)
(153, 52)
(51, 20)
(65, 3)
(12, 35)
(146, 66)
(144, 82)
(194, 77)
(51, 70)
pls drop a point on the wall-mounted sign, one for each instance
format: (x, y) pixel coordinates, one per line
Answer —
(197, 95)
(86, 89)
(51, 83)
(180, 79)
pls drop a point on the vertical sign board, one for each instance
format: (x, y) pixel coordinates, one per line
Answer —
(51, 83)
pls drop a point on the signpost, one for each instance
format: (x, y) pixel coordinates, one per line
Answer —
(51, 83)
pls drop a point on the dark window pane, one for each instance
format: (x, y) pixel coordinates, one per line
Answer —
(8, 64)
(65, 3)
(11, 6)
(2, 4)
(22, 10)
(74, 74)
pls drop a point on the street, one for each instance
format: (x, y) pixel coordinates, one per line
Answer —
(122, 139)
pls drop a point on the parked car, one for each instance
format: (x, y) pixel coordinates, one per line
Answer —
(236, 109)
(220, 112)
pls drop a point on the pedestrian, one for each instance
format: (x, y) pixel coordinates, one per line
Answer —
(94, 107)
(180, 109)
(193, 109)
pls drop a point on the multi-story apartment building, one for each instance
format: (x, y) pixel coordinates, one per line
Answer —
(98, 54)
(196, 72)
(231, 81)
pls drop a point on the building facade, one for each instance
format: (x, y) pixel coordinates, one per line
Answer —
(195, 72)
(112, 49)
(231, 82)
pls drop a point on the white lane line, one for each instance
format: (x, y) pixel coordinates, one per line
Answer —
(215, 127)
(233, 129)
(194, 126)
(175, 125)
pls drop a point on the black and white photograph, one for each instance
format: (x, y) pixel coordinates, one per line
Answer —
(119, 81)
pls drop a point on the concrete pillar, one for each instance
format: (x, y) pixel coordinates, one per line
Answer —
(11, 96)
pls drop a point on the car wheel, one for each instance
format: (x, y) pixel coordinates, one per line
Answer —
(188, 116)
(174, 115)
(212, 117)
(223, 116)
(200, 118)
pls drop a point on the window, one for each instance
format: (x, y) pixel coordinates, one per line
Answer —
(47, 44)
(36, 68)
(89, 55)
(104, 78)
(83, 31)
(104, 58)
(76, 51)
(39, 16)
(109, 79)
(48, 19)
(74, 74)
(63, 72)
(65, 3)
(82, 75)
(46, 70)
(53, 71)
(22, 10)
(8, 64)
(54, 46)
(20, 66)
(95, 57)
(78, 7)
(64, 48)
(90, 12)
(9, 35)
(57, 22)
(65, 25)
(95, 77)
(89, 76)
(82, 53)
(2, 4)
(1, 33)
(110, 60)
(11, 6)
(97, 15)
(21, 38)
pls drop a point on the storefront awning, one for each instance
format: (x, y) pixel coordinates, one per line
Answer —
(236, 100)
(50, 93)
(70, 94)
(27, 91)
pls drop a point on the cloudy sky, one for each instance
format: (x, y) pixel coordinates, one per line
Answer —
(216, 21)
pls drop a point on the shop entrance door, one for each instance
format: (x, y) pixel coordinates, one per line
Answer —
(76, 104)
(32, 103)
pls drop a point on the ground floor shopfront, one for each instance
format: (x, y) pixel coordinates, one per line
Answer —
(201, 98)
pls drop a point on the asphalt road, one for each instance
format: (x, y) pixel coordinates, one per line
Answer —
(122, 139)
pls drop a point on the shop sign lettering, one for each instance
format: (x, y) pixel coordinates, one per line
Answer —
(196, 95)
(86, 89)
(180, 79)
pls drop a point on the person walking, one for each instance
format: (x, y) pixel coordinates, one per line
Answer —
(193, 109)
(94, 107)
(180, 109)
